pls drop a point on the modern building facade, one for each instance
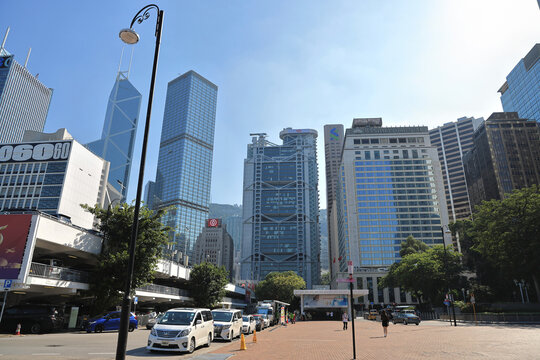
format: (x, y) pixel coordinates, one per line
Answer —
(390, 187)
(453, 140)
(215, 245)
(281, 207)
(184, 168)
(230, 215)
(24, 100)
(505, 156)
(119, 131)
(53, 176)
(333, 145)
(521, 91)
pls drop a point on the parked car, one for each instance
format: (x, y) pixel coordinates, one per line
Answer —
(248, 324)
(263, 320)
(406, 318)
(152, 321)
(33, 318)
(110, 321)
(227, 324)
(182, 329)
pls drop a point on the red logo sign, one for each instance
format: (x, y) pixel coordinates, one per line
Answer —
(213, 222)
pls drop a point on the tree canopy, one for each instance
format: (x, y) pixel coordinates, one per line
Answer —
(279, 286)
(412, 246)
(207, 284)
(108, 281)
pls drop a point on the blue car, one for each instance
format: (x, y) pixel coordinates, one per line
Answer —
(110, 321)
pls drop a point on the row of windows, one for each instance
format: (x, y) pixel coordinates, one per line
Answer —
(390, 168)
(393, 162)
(409, 140)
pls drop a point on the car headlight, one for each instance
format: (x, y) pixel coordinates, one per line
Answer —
(185, 332)
(153, 332)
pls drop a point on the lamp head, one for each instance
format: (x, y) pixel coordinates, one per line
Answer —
(129, 36)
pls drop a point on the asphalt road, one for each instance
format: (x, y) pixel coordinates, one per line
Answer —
(80, 345)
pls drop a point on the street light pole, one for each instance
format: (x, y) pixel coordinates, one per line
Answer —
(131, 37)
(448, 281)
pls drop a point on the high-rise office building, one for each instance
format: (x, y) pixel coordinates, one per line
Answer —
(453, 140)
(333, 144)
(184, 168)
(390, 186)
(119, 131)
(281, 207)
(521, 91)
(505, 156)
(230, 215)
(215, 245)
(24, 100)
(149, 194)
(323, 223)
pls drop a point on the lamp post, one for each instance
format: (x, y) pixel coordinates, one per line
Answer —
(129, 36)
(447, 281)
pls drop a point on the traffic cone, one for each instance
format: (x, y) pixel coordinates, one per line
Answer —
(243, 343)
(255, 336)
(18, 330)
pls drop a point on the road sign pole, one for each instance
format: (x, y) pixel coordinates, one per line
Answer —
(352, 318)
(4, 304)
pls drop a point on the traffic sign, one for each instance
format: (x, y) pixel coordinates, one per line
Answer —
(350, 266)
(135, 300)
(7, 284)
(347, 280)
(472, 299)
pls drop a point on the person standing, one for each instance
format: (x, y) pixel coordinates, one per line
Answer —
(385, 319)
(345, 319)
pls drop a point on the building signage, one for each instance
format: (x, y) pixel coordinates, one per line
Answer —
(5, 61)
(213, 222)
(14, 231)
(49, 151)
(325, 301)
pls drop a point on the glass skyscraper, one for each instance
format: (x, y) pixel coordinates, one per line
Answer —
(24, 100)
(184, 167)
(521, 91)
(119, 131)
(281, 207)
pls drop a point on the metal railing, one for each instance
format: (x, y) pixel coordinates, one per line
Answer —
(160, 289)
(58, 273)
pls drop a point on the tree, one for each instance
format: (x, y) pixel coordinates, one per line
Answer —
(412, 246)
(506, 233)
(108, 281)
(207, 284)
(325, 278)
(279, 286)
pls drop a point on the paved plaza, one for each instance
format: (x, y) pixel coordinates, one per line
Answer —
(325, 340)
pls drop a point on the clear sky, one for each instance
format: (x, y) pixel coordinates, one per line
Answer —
(277, 63)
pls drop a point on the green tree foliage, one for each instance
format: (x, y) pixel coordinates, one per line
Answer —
(279, 286)
(108, 281)
(507, 234)
(325, 278)
(428, 274)
(207, 284)
(412, 246)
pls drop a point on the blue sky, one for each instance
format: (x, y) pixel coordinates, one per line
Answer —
(277, 64)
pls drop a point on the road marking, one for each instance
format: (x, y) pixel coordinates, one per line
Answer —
(45, 354)
(108, 353)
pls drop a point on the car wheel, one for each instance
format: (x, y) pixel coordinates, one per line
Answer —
(417, 324)
(35, 328)
(232, 336)
(99, 328)
(191, 348)
(209, 340)
(131, 328)
(404, 322)
(393, 322)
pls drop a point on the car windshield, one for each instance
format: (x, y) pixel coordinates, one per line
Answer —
(409, 315)
(245, 318)
(221, 316)
(177, 318)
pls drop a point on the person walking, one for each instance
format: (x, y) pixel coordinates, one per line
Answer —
(345, 319)
(385, 318)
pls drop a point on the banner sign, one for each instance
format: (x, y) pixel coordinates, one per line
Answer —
(14, 231)
(325, 301)
(48, 151)
(282, 320)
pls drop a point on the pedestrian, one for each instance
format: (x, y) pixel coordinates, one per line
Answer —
(345, 319)
(385, 318)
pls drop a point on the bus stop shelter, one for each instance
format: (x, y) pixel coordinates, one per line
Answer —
(327, 299)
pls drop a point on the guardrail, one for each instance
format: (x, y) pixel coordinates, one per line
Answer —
(160, 289)
(58, 273)
(497, 318)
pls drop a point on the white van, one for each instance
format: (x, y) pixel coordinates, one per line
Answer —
(227, 323)
(182, 329)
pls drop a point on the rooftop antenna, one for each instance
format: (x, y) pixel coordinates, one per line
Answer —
(5, 38)
(121, 57)
(27, 56)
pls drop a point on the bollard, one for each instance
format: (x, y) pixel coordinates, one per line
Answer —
(243, 343)
(254, 336)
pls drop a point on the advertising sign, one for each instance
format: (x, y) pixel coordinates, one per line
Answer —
(14, 231)
(282, 317)
(213, 222)
(49, 151)
(325, 301)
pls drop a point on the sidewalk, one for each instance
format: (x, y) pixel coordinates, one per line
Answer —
(325, 340)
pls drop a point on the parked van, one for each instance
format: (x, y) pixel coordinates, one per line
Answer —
(182, 329)
(227, 323)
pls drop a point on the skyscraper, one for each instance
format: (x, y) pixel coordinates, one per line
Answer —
(333, 144)
(505, 156)
(184, 167)
(215, 245)
(453, 140)
(119, 131)
(521, 91)
(24, 100)
(281, 207)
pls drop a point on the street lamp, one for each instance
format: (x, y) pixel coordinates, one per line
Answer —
(446, 271)
(129, 36)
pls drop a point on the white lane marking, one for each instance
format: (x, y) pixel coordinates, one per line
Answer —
(45, 354)
(109, 353)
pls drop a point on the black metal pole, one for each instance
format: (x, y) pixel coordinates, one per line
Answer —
(126, 301)
(352, 319)
(451, 297)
